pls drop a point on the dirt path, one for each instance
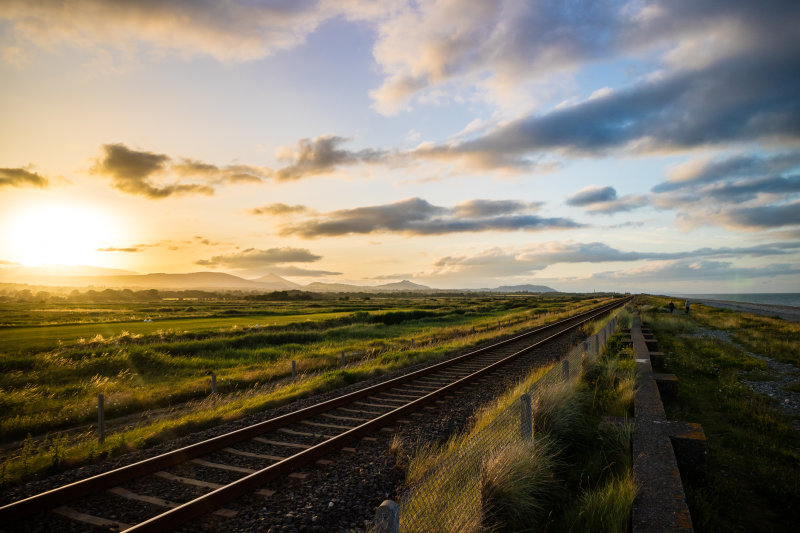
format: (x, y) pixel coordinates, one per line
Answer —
(784, 311)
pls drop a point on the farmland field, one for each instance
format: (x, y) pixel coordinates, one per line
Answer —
(51, 374)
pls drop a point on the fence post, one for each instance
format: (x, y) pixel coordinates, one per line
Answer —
(387, 517)
(101, 419)
(565, 370)
(213, 383)
(294, 369)
(597, 344)
(342, 363)
(525, 418)
(412, 343)
(434, 338)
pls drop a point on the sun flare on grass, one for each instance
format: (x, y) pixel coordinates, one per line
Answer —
(58, 234)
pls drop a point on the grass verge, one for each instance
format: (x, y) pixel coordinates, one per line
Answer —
(752, 478)
(574, 475)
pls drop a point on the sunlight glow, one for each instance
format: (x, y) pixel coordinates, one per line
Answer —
(58, 234)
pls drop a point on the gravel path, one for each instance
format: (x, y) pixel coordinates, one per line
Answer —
(339, 497)
(786, 312)
(785, 375)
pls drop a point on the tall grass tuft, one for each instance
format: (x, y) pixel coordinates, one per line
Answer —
(518, 486)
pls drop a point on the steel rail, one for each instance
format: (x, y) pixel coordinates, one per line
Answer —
(58, 496)
(208, 502)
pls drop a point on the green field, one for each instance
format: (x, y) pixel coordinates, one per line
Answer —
(28, 338)
(50, 375)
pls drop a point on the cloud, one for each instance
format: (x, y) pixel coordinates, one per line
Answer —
(20, 177)
(4, 262)
(486, 50)
(687, 271)
(702, 171)
(191, 168)
(416, 216)
(592, 195)
(604, 200)
(253, 258)
(228, 30)
(498, 262)
(760, 217)
(138, 172)
(132, 172)
(278, 209)
(490, 208)
(116, 249)
(747, 192)
(321, 155)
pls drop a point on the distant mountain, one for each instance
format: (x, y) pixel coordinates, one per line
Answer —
(404, 285)
(98, 277)
(318, 286)
(521, 288)
(276, 283)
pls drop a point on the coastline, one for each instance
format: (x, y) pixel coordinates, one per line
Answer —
(786, 312)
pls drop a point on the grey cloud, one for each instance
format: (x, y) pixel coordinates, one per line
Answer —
(132, 171)
(688, 271)
(138, 172)
(498, 262)
(237, 30)
(592, 195)
(253, 258)
(278, 209)
(321, 155)
(227, 174)
(488, 208)
(679, 111)
(768, 216)
(744, 191)
(740, 166)
(439, 43)
(20, 177)
(604, 200)
(416, 216)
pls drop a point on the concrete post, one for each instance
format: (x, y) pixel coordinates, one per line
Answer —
(342, 363)
(213, 383)
(101, 419)
(294, 369)
(525, 417)
(565, 370)
(387, 517)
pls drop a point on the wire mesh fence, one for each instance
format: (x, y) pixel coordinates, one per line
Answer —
(451, 495)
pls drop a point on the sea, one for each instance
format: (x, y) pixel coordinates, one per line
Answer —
(771, 298)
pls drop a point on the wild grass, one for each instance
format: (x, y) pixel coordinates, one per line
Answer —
(169, 375)
(574, 475)
(752, 478)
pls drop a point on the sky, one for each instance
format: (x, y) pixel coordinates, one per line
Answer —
(585, 145)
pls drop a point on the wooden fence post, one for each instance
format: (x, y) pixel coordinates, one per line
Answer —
(525, 418)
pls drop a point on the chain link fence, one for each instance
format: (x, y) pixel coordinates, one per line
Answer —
(450, 495)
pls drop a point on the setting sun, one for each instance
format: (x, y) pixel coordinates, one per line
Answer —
(58, 234)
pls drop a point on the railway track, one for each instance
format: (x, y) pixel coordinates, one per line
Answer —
(199, 479)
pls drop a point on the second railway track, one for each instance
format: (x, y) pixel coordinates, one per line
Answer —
(201, 478)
